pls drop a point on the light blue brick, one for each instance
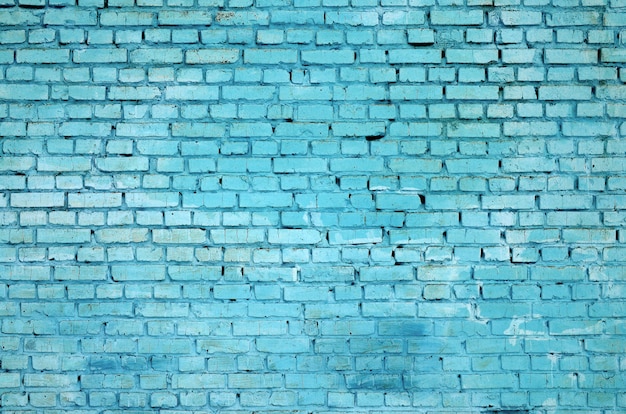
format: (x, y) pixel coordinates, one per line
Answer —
(156, 56)
(333, 189)
(126, 18)
(470, 18)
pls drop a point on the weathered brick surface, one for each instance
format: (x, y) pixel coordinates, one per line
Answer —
(305, 206)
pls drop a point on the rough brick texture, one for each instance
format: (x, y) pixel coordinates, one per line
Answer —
(308, 206)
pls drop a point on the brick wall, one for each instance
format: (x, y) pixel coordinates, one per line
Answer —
(312, 206)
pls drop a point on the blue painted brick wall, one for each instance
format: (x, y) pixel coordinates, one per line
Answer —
(309, 206)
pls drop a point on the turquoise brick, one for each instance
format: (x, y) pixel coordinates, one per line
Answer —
(291, 218)
(480, 382)
(469, 18)
(157, 56)
(70, 17)
(126, 18)
(42, 56)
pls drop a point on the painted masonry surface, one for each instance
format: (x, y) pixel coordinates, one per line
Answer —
(307, 206)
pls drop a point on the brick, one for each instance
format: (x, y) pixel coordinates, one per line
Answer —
(126, 18)
(9, 163)
(572, 19)
(443, 310)
(326, 57)
(530, 128)
(570, 56)
(469, 236)
(42, 56)
(414, 56)
(529, 164)
(441, 273)
(193, 93)
(611, 310)
(456, 18)
(472, 92)
(92, 129)
(293, 346)
(520, 56)
(471, 56)
(255, 216)
(10, 380)
(608, 92)
(237, 236)
(18, 17)
(257, 381)
(265, 200)
(104, 309)
(240, 18)
(158, 346)
(417, 129)
(364, 236)
(198, 381)
(80, 273)
(355, 129)
(122, 164)
(474, 129)
(212, 56)
(451, 202)
(94, 200)
(532, 236)
(325, 311)
(270, 56)
(162, 310)
(561, 274)
(297, 165)
(469, 381)
(565, 202)
(468, 166)
(415, 236)
(45, 380)
(87, 93)
(613, 19)
(156, 56)
(121, 235)
(591, 236)
(16, 236)
(24, 92)
(105, 55)
(191, 17)
(178, 236)
(608, 55)
(209, 200)
(182, 272)
(137, 273)
(37, 200)
(22, 272)
(352, 18)
(406, 92)
(298, 17)
(520, 18)
(63, 235)
(425, 381)
(197, 130)
(133, 93)
(70, 17)
(143, 200)
(403, 18)
(397, 202)
(47, 345)
(501, 273)
(294, 236)
(301, 129)
(421, 36)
